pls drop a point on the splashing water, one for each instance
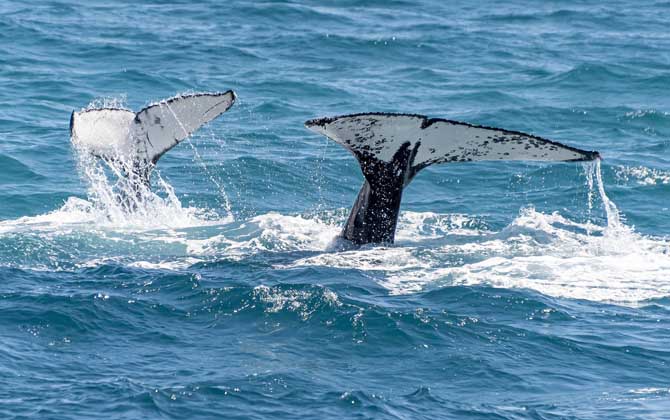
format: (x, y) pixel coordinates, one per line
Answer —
(547, 253)
(109, 102)
(642, 175)
(198, 158)
(544, 252)
(115, 199)
(613, 216)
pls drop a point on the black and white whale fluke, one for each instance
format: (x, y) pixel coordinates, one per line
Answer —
(393, 148)
(140, 139)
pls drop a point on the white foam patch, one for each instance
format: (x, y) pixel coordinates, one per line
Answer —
(650, 391)
(78, 214)
(643, 175)
(272, 232)
(117, 222)
(417, 226)
(388, 260)
(296, 301)
(618, 266)
(543, 252)
(641, 113)
(174, 265)
(115, 204)
(547, 253)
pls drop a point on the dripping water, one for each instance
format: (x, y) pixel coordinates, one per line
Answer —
(200, 161)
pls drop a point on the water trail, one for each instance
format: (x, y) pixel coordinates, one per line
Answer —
(198, 158)
(594, 182)
(320, 177)
(613, 216)
(589, 170)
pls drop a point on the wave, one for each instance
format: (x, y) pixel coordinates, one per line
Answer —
(642, 175)
(547, 253)
(13, 170)
(543, 252)
(587, 74)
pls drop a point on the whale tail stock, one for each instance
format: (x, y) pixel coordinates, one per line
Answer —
(139, 139)
(393, 148)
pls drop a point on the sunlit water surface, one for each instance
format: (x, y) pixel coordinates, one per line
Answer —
(514, 290)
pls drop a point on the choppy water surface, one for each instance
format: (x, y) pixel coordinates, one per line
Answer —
(514, 290)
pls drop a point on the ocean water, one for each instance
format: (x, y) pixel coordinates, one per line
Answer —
(514, 291)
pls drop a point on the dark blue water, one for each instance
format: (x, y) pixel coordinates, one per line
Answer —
(514, 290)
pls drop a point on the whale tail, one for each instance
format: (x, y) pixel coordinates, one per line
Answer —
(140, 139)
(393, 148)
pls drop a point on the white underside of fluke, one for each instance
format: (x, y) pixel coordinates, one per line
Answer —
(381, 136)
(146, 135)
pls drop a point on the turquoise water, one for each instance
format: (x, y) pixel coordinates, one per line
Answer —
(515, 290)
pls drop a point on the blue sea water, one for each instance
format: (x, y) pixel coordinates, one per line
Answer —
(515, 290)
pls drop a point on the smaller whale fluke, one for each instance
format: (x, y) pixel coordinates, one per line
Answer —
(393, 148)
(142, 138)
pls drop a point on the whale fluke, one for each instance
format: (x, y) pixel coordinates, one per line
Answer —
(393, 148)
(142, 138)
